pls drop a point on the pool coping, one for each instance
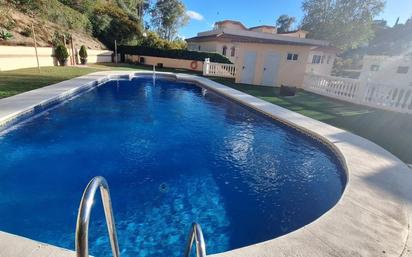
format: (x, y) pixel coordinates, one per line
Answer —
(372, 218)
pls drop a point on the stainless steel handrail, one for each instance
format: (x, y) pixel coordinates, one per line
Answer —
(196, 234)
(83, 217)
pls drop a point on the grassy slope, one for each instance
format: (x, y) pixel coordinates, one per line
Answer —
(389, 129)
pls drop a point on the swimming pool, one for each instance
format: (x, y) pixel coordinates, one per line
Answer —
(172, 154)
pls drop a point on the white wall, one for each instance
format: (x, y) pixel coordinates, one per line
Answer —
(215, 47)
(19, 57)
(167, 62)
(387, 72)
(322, 68)
(290, 73)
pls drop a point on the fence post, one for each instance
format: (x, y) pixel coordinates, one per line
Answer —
(360, 94)
(206, 66)
(35, 46)
(115, 51)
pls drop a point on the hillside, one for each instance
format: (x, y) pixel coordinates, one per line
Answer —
(87, 22)
(45, 31)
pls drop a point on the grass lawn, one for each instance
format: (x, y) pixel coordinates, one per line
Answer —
(18, 81)
(391, 130)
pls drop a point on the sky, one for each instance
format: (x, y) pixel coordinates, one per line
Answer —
(251, 13)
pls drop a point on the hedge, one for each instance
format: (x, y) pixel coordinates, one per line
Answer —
(172, 53)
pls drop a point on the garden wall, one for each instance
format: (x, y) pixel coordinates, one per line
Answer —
(18, 57)
(167, 62)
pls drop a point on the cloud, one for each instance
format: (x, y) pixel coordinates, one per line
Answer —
(194, 15)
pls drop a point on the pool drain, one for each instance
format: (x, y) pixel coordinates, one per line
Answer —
(164, 188)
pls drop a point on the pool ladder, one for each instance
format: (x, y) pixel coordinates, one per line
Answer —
(83, 219)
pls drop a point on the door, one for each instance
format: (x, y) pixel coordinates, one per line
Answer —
(248, 68)
(270, 69)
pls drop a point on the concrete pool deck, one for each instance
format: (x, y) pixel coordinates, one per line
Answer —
(372, 218)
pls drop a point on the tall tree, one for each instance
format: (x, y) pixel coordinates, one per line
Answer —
(345, 23)
(396, 40)
(167, 17)
(111, 22)
(284, 22)
(135, 8)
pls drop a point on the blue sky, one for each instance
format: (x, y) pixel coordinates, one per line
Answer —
(258, 12)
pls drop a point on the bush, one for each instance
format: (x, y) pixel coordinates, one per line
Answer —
(5, 35)
(27, 32)
(83, 54)
(27, 6)
(61, 54)
(58, 38)
(65, 16)
(173, 53)
(153, 40)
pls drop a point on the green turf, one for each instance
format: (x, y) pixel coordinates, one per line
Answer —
(18, 81)
(391, 130)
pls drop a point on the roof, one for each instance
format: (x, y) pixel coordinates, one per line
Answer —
(264, 26)
(228, 35)
(231, 21)
(327, 49)
(293, 31)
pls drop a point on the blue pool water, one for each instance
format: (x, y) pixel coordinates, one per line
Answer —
(171, 155)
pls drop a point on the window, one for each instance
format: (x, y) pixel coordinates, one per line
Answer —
(316, 59)
(292, 57)
(374, 67)
(232, 51)
(322, 60)
(224, 50)
(329, 59)
(198, 47)
(402, 69)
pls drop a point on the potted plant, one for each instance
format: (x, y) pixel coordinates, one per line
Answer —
(61, 54)
(83, 54)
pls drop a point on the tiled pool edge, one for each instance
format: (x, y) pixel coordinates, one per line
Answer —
(371, 218)
(16, 246)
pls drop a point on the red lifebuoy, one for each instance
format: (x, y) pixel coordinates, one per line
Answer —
(193, 65)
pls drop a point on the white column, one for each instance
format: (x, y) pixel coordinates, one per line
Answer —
(206, 67)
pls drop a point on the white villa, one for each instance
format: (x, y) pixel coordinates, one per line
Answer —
(387, 70)
(263, 56)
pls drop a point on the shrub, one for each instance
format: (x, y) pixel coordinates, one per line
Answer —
(61, 38)
(83, 54)
(10, 24)
(5, 35)
(27, 32)
(153, 40)
(173, 53)
(61, 54)
(30, 7)
(66, 16)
